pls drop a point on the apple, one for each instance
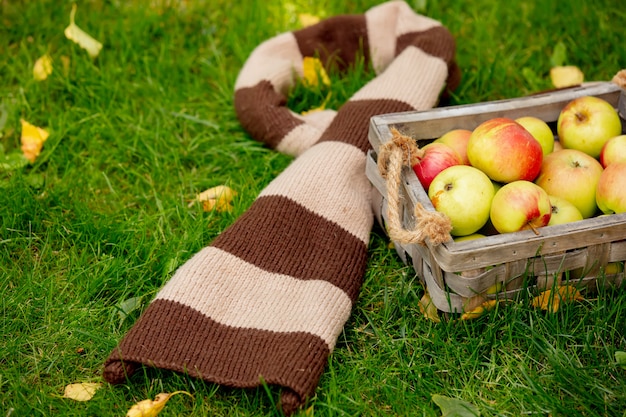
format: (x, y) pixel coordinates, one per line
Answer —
(614, 150)
(520, 205)
(573, 175)
(457, 139)
(614, 268)
(436, 158)
(557, 146)
(540, 131)
(611, 189)
(563, 211)
(504, 150)
(463, 193)
(586, 123)
(469, 237)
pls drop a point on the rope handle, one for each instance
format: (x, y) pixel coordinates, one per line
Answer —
(402, 151)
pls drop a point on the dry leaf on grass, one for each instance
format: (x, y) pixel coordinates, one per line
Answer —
(313, 71)
(428, 309)
(566, 76)
(83, 391)
(150, 408)
(215, 198)
(551, 300)
(82, 38)
(32, 139)
(320, 107)
(480, 310)
(42, 68)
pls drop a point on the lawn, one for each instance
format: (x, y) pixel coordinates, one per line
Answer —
(92, 229)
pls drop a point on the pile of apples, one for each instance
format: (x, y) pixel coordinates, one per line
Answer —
(510, 175)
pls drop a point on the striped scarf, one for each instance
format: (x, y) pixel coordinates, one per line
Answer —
(267, 300)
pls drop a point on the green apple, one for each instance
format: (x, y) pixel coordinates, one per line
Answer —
(573, 175)
(611, 189)
(563, 211)
(586, 123)
(540, 131)
(457, 139)
(614, 150)
(504, 150)
(469, 237)
(520, 205)
(463, 193)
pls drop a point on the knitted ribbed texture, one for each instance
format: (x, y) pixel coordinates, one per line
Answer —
(267, 300)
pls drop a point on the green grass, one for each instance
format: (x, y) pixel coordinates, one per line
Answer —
(101, 217)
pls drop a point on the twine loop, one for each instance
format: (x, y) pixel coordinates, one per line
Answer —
(399, 152)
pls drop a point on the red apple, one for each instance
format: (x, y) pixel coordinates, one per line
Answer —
(611, 190)
(540, 131)
(505, 151)
(586, 123)
(520, 205)
(572, 175)
(614, 150)
(463, 193)
(437, 157)
(457, 139)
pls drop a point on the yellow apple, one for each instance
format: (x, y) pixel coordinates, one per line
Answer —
(563, 211)
(540, 131)
(586, 123)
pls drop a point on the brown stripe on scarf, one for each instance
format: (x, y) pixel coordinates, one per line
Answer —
(263, 113)
(331, 253)
(436, 41)
(354, 127)
(173, 336)
(336, 41)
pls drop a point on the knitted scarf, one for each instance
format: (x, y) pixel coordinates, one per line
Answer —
(268, 298)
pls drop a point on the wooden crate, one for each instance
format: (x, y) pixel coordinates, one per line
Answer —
(461, 275)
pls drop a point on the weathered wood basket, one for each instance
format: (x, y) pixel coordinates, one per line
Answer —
(461, 275)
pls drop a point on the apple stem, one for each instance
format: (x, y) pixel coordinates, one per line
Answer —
(533, 228)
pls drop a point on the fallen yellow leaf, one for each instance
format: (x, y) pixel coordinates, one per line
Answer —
(83, 391)
(428, 309)
(82, 38)
(480, 310)
(42, 68)
(150, 408)
(551, 300)
(32, 139)
(320, 107)
(313, 70)
(216, 198)
(307, 19)
(566, 76)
